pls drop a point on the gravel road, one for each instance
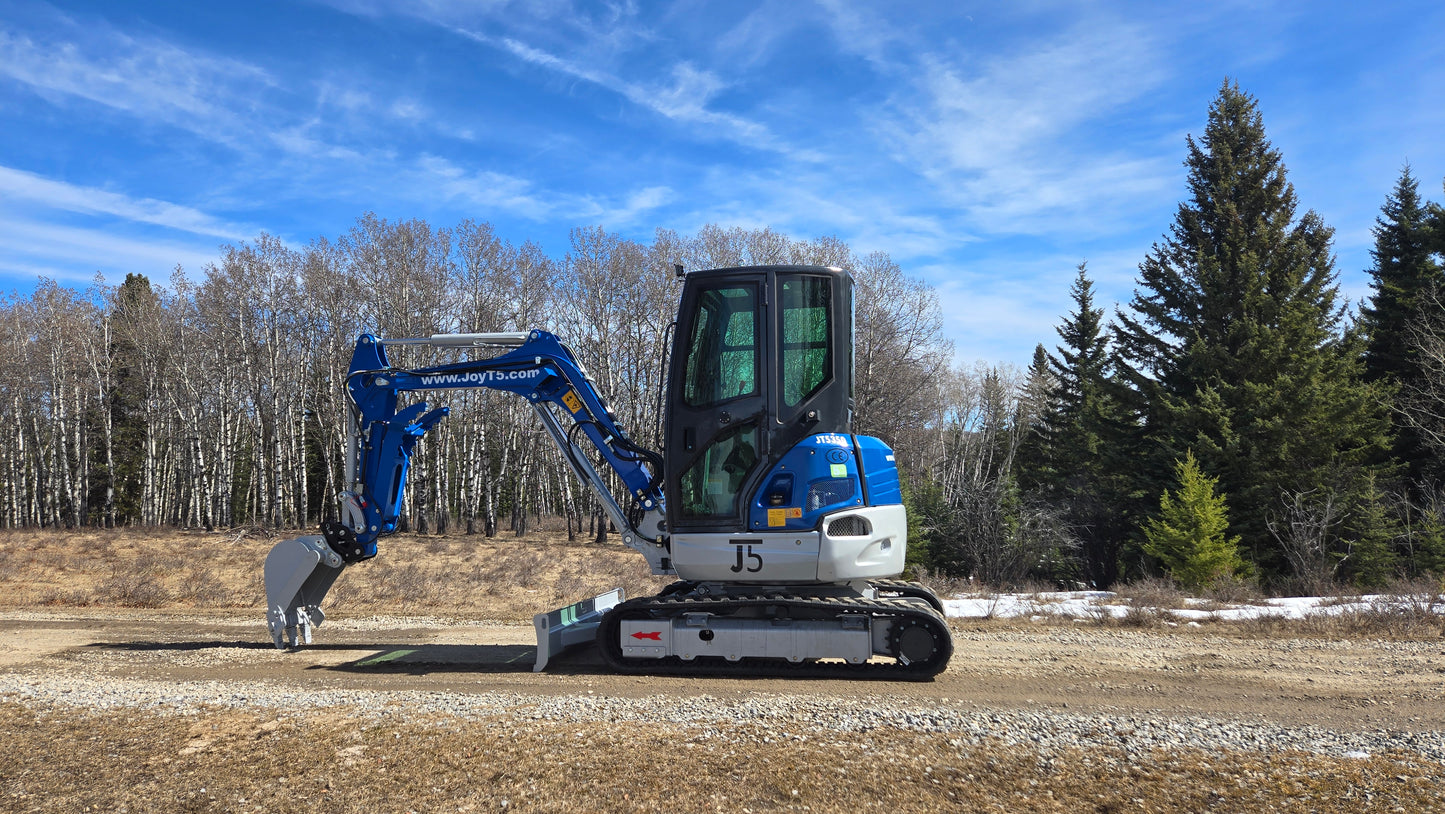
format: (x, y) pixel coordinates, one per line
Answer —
(1046, 687)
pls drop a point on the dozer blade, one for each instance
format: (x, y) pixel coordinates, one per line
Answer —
(298, 572)
(573, 625)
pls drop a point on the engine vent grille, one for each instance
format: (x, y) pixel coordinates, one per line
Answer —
(850, 526)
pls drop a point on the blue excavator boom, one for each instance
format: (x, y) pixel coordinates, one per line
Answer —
(383, 436)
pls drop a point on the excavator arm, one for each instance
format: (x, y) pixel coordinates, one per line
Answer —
(534, 365)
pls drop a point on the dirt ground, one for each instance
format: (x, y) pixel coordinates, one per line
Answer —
(64, 616)
(1340, 685)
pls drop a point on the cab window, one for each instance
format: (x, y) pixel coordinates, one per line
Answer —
(807, 351)
(723, 352)
(712, 486)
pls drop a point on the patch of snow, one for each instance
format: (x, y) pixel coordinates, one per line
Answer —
(1093, 604)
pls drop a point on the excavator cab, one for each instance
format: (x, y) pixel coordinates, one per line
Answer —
(764, 481)
(761, 359)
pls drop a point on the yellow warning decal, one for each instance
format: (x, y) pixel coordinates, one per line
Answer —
(573, 403)
(796, 511)
(777, 517)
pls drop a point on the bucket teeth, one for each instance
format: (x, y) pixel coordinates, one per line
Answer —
(298, 574)
(276, 621)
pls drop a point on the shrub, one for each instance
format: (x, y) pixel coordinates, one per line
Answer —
(1188, 536)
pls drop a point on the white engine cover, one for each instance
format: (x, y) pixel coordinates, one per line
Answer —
(799, 557)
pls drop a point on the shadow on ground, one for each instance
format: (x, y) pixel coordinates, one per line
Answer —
(407, 658)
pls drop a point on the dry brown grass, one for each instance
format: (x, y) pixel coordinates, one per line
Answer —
(1231, 590)
(942, 584)
(1376, 620)
(61, 760)
(1143, 617)
(505, 577)
(1152, 592)
(508, 578)
(1410, 609)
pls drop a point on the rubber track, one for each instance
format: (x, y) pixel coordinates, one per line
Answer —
(664, 607)
(907, 588)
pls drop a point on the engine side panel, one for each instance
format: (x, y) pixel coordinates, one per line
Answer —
(817, 476)
(764, 558)
(880, 471)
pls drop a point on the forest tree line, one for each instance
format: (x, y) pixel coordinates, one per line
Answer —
(1235, 420)
(220, 402)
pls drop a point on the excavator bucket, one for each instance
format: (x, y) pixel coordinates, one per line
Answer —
(570, 626)
(298, 572)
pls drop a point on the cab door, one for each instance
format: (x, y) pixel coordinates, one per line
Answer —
(718, 400)
(813, 392)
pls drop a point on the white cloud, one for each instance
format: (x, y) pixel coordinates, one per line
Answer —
(439, 177)
(432, 178)
(220, 99)
(752, 39)
(299, 141)
(12, 273)
(684, 99)
(986, 325)
(1017, 140)
(859, 32)
(408, 109)
(20, 186)
(29, 247)
(594, 47)
(635, 206)
(586, 28)
(336, 94)
(150, 79)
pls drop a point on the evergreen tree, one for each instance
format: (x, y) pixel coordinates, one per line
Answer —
(1235, 347)
(134, 301)
(1080, 371)
(1189, 535)
(1370, 531)
(1072, 463)
(1422, 530)
(1035, 453)
(1435, 227)
(1403, 273)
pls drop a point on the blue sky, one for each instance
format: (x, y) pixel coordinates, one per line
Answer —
(987, 147)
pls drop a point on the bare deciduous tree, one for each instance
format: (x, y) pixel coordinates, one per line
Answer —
(1423, 403)
(220, 400)
(1307, 530)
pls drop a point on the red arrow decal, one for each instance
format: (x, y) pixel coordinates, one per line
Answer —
(655, 635)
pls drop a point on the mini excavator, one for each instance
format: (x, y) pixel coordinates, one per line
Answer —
(786, 532)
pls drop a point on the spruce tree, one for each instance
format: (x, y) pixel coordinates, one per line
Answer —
(1190, 534)
(1080, 371)
(1435, 224)
(1403, 273)
(134, 299)
(1235, 344)
(1035, 453)
(1371, 531)
(1074, 466)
